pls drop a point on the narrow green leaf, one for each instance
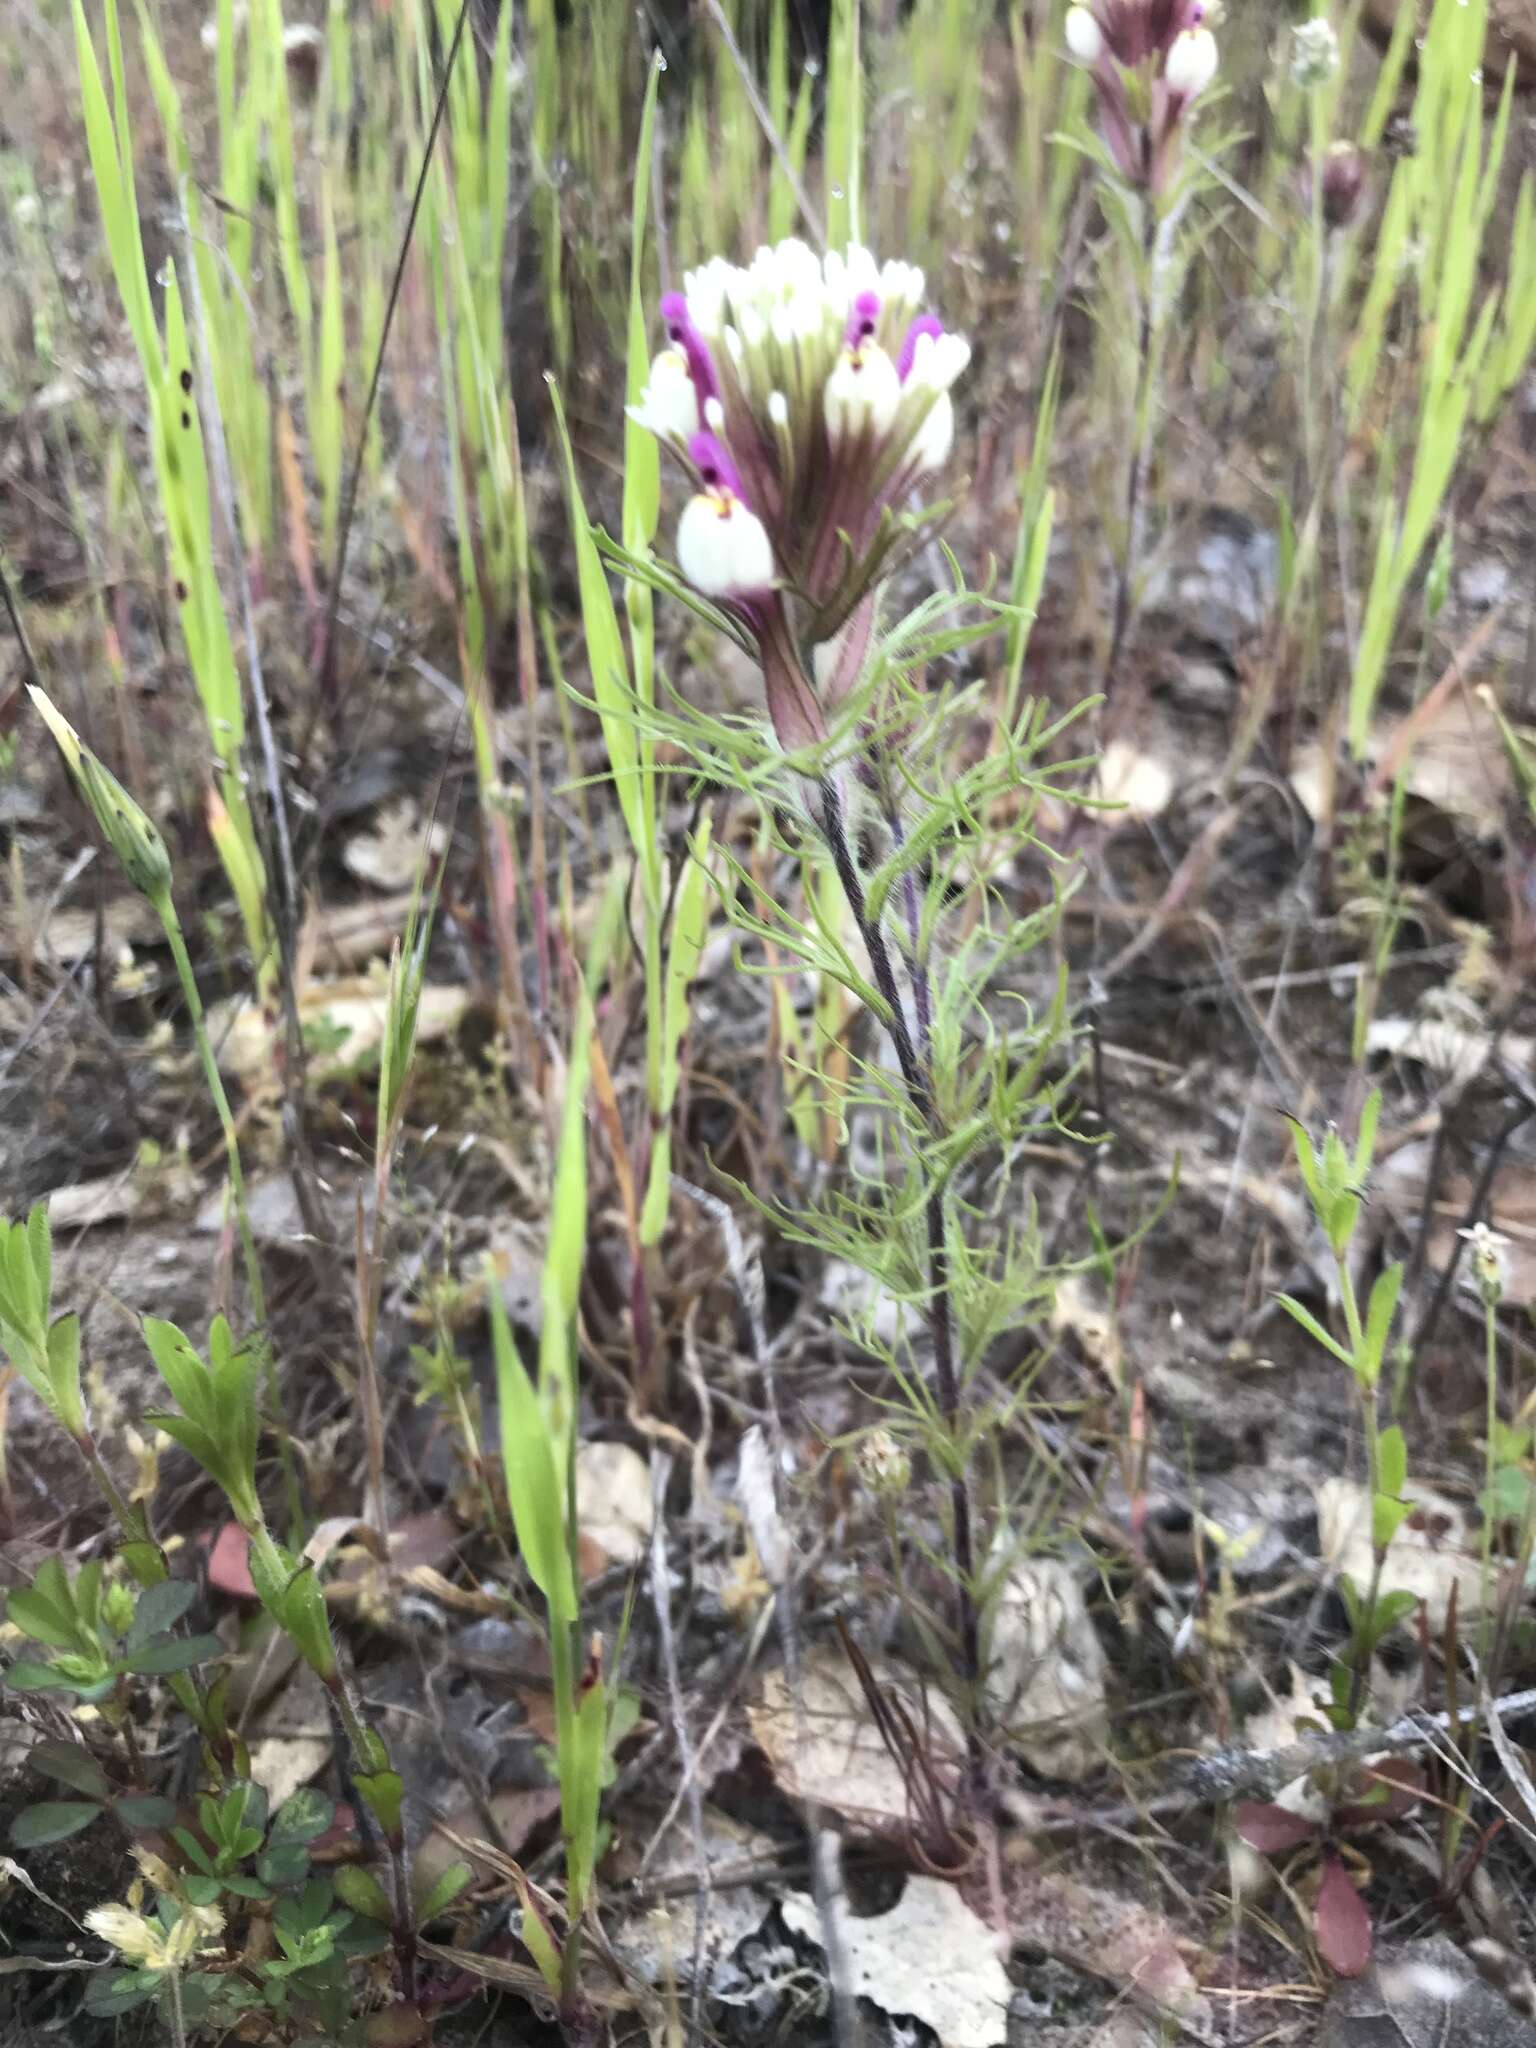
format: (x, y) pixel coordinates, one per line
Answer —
(605, 652)
(532, 1480)
(450, 1883)
(1392, 1461)
(1314, 1328)
(1378, 1322)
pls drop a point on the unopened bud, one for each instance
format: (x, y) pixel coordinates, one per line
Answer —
(117, 1608)
(132, 836)
(1343, 183)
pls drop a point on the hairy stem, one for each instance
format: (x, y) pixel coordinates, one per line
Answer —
(913, 1059)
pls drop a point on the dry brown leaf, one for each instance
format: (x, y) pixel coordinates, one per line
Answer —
(839, 1761)
(1432, 1556)
(1457, 763)
(1046, 1681)
(109, 1200)
(517, 1812)
(67, 932)
(343, 1021)
(392, 854)
(1106, 1936)
(337, 936)
(280, 1764)
(613, 1502)
(930, 1958)
(1449, 1037)
(1140, 783)
(656, 1943)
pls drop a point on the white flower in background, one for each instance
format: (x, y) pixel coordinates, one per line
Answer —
(1486, 1249)
(1150, 60)
(935, 437)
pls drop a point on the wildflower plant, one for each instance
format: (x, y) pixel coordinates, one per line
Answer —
(808, 403)
(1150, 60)
(1335, 1177)
(1152, 63)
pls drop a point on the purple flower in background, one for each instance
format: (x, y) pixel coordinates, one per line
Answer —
(1150, 60)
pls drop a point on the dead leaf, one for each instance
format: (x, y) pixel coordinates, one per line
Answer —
(613, 1503)
(111, 1199)
(517, 1812)
(67, 932)
(395, 851)
(1079, 1312)
(280, 1764)
(1432, 1556)
(343, 1025)
(1104, 1935)
(930, 1958)
(1046, 1680)
(1451, 1039)
(1456, 762)
(337, 936)
(657, 1943)
(837, 1759)
(1343, 1923)
(1137, 781)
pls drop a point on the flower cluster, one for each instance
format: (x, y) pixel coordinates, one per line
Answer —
(147, 1943)
(807, 398)
(1151, 60)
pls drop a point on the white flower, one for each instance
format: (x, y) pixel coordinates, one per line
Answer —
(1314, 52)
(1191, 62)
(939, 360)
(1490, 1269)
(863, 394)
(723, 548)
(139, 1939)
(935, 437)
(669, 406)
(1085, 39)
